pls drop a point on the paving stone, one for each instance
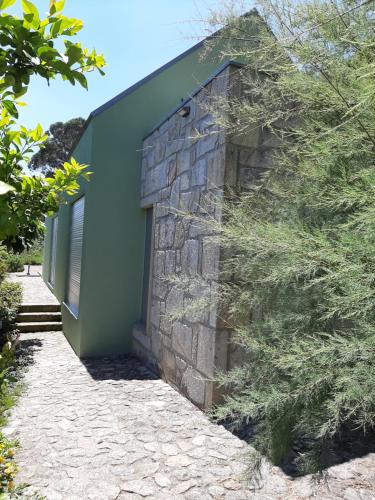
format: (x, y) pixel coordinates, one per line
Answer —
(108, 428)
(162, 480)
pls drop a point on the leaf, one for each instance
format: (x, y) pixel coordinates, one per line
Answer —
(47, 53)
(81, 78)
(4, 4)
(5, 188)
(29, 8)
(56, 6)
(10, 107)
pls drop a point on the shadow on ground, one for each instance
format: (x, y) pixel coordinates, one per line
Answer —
(26, 350)
(117, 368)
(352, 445)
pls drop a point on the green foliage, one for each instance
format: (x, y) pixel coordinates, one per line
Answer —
(29, 47)
(14, 263)
(8, 391)
(10, 301)
(56, 149)
(34, 255)
(300, 298)
(9, 263)
(8, 468)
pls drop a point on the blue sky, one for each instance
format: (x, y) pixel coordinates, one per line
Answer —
(136, 36)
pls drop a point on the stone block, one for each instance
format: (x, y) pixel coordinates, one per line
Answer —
(156, 343)
(199, 173)
(246, 156)
(205, 125)
(166, 324)
(174, 127)
(179, 235)
(170, 262)
(169, 365)
(193, 385)
(206, 350)
(216, 168)
(207, 143)
(210, 259)
(158, 263)
(189, 201)
(156, 178)
(220, 84)
(182, 340)
(263, 158)
(201, 227)
(185, 181)
(190, 257)
(174, 198)
(174, 301)
(249, 177)
(150, 199)
(165, 194)
(160, 288)
(248, 139)
(155, 313)
(166, 232)
(210, 200)
(181, 366)
(183, 161)
(161, 209)
(222, 344)
(159, 149)
(269, 139)
(172, 169)
(173, 145)
(236, 355)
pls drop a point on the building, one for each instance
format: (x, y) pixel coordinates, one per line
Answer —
(156, 155)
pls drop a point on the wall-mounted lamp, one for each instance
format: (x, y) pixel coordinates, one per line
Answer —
(184, 112)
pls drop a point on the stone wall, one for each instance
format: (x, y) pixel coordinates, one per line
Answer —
(187, 165)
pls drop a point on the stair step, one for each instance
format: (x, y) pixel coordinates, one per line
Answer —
(27, 308)
(38, 317)
(51, 326)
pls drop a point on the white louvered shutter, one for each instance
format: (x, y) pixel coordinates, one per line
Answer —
(52, 269)
(75, 255)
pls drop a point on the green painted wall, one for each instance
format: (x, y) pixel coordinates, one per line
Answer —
(114, 227)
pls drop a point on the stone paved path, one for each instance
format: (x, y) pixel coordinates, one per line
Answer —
(108, 429)
(34, 289)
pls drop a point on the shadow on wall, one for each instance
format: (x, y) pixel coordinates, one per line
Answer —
(117, 368)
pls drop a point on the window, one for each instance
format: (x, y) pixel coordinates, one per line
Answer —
(52, 265)
(75, 255)
(147, 264)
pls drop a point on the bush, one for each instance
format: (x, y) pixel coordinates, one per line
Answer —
(10, 301)
(3, 269)
(8, 468)
(14, 263)
(34, 256)
(301, 296)
(9, 262)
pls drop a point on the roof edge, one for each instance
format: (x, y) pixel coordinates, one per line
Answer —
(144, 80)
(183, 103)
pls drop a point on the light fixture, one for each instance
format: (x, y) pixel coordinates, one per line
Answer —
(184, 111)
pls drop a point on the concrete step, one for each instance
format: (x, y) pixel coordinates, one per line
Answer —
(38, 317)
(27, 308)
(50, 326)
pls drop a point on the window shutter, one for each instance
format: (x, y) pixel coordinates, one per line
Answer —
(75, 255)
(52, 268)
